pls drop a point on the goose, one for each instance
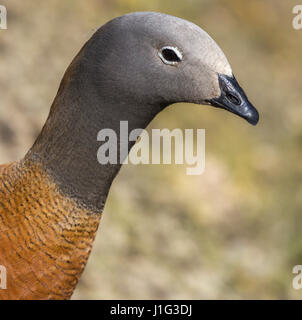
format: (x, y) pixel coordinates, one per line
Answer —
(52, 200)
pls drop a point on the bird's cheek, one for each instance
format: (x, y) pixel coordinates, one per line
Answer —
(205, 85)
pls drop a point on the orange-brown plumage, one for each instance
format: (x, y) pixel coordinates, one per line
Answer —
(46, 237)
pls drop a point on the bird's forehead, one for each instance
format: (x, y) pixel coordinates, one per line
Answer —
(166, 30)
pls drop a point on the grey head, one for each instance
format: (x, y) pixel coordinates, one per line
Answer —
(130, 69)
(158, 59)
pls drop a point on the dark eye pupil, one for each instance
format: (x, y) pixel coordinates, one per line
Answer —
(235, 100)
(170, 55)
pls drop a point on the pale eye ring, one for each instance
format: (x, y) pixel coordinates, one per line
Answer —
(170, 55)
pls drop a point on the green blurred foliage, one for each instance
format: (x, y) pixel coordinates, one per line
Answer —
(233, 232)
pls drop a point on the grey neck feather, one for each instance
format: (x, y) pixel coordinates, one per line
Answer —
(67, 145)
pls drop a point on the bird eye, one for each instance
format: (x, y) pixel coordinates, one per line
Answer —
(170, 55)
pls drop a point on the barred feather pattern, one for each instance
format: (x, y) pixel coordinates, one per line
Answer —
(45, 236)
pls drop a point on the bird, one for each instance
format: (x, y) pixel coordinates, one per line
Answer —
(52, 200)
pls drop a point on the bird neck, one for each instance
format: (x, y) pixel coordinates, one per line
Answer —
(46, 237)
(67, 145)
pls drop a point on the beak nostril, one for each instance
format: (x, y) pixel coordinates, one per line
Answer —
(233, 99)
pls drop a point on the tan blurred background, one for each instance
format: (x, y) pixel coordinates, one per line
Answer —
(233, 232)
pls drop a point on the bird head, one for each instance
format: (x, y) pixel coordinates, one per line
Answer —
(152, 58)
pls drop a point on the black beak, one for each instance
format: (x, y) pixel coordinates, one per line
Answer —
(233, 99)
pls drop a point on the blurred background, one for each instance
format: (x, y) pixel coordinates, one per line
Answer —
(233, 232)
